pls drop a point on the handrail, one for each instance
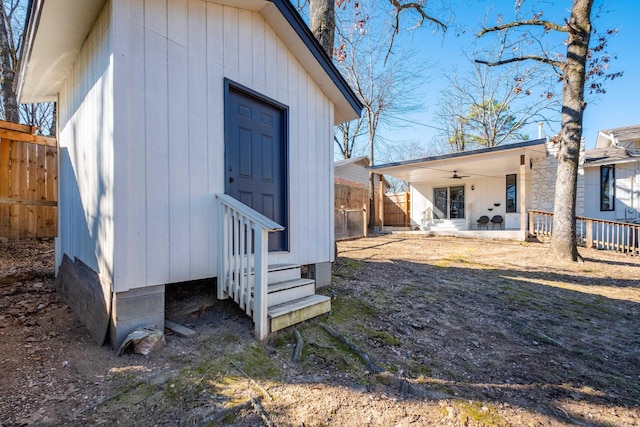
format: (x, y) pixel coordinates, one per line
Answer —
(243, 234)
(255, 216)
(592, 232)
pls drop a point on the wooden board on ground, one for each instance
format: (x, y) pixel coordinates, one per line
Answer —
(179, 330)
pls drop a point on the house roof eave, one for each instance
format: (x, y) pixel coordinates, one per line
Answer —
(477, 163)
(344, 162)
(44, 66)
(613, 136)
(514, 146)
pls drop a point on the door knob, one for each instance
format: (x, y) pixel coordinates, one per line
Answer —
(231, 179)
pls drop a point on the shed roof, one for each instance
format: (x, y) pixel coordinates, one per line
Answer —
(364, 160)
(56, 31)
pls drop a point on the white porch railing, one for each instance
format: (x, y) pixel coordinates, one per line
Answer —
(592, 233)
(242, 258)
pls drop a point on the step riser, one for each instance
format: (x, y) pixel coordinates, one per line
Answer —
(301, 315)
(282, 275)
(291, 294)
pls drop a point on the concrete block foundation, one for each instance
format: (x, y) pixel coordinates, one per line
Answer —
(133, 309)
(320, 272)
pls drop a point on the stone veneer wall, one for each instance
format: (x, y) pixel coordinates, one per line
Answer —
(543, 185)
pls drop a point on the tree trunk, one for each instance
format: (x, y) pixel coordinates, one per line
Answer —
(323, 23)
(7, 72)
(563, 241)
(54, 121)
(372, 179)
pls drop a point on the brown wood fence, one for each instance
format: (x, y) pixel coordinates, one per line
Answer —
(350, 195)
(397, 208)
(351, 213)
(28, 182)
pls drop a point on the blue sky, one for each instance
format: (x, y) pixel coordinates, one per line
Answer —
(620, 106)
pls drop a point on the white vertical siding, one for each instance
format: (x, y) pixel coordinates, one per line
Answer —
(129, 138)
(179, 183)
(201, 220)
(86, 155)
(171, 60)
(215, 132)
(157, 137)
(355, 172)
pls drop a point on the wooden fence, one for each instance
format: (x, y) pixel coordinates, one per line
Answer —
(592, 233)
(351, 215)
(397, 208)
(28, 182)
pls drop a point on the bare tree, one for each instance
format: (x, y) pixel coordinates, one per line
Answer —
(385, 83)
(573, 71)
(399, 151)
(485, 108)
(12, 19)
(350, 133)
(9, 46)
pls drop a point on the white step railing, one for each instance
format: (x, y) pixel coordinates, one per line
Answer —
(242, 258)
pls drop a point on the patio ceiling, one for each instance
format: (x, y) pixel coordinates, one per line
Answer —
(483, 163)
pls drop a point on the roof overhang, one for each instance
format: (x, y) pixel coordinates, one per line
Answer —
(56, 31)
(483, 163)
(619, 135)
(612, 155)
(363, 161)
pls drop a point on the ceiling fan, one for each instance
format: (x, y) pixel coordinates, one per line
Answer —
(456, 176)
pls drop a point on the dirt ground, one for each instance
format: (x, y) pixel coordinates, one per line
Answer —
(465, 332)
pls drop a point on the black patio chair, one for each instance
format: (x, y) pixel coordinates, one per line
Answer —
(497, 220)
(483, 221)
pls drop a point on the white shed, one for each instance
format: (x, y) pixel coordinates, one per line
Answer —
(162, 105)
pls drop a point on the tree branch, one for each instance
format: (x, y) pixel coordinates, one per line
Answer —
(531, 22)
(542, 59)
(418, 8)
(399, 7)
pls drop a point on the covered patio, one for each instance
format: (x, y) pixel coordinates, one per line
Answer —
(481, 193)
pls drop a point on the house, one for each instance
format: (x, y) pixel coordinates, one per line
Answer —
(450, 193)
(612, 175)
(169, 111)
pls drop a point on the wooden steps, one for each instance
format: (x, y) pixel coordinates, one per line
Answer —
(289, 313)
(292, 299)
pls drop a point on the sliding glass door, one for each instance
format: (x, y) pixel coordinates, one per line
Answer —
(448, 202)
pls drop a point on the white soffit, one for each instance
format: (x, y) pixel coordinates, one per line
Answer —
(60, 28)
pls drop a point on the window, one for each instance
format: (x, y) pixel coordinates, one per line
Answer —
(512, 193)
(607, 189)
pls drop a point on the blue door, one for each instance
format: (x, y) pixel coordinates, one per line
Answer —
(256, 157)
